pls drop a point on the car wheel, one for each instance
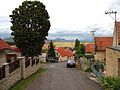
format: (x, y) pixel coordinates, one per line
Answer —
(67, 66)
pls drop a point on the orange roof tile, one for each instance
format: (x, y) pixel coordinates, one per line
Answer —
(68, 53)
(63, 52)
(89, 48)
(102, 42)
(3, 44)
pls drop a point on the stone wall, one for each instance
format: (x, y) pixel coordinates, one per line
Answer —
(112, 62)
(30, 69)
(100, 55)
(18, 74)
(10, 80)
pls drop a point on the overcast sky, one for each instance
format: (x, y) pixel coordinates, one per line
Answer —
(69, 15)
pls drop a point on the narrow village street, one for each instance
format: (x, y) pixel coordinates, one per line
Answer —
(58, 77)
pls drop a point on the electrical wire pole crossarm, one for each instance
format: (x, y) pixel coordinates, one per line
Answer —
(115, 30)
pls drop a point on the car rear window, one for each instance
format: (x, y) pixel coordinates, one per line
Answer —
(70, 61)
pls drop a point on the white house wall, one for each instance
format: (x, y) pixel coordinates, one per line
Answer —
(2, 58)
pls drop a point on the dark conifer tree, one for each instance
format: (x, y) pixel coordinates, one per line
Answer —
(51, 50)
(77, 44)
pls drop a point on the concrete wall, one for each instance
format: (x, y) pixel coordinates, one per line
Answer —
(20, 73)
(100, 55)
(42, 57)
(64, 58)
(112, 63)
(2, 58)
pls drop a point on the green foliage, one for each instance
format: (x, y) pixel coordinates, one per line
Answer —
(88, 70)
(77, 44)
(11, 43)
(82, 48)
(89, 56)
(78, 51)
(80, 55)
(111, 83)
(51, 51)
(30, 26)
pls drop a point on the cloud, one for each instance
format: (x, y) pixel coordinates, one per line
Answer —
(4, 24)
(66, 33)
(83, 34)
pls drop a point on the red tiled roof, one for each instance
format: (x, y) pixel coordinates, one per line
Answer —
(16, 49)
(89, 48)
(3, 44)
(63, 52)
(102, 42)
(68, 53)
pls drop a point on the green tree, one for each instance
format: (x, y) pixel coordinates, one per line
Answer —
(51, 50)
(78, 51)
(30, 26)
(77, 44)
(82, 48)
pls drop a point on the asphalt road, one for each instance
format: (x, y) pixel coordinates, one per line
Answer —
(58, 77)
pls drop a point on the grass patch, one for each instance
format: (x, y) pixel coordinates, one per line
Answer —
(22, 84)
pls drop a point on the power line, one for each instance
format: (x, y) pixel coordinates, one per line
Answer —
(112, 12)
(113, 5)
(115, 30)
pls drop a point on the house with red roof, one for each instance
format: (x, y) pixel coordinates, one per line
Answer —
(113, 54)
(13, 54)
(4, 47)
(89, 48)
(8, 53)
(64, 54)
(100, 47)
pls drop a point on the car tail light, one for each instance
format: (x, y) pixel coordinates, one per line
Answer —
(76, 63)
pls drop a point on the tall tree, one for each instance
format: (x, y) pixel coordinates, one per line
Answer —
(30, 26)
(51, 50)
(77, 44)
(82, 48)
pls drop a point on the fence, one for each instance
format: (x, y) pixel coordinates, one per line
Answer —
(2, 72)
(17, 70)
(33, 62)
(97, 73)
(27, 62)
(14, 65)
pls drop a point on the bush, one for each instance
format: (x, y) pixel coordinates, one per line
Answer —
(111, 83)
(11, 43)
(80, 55)
(89, 56)
(88, 70)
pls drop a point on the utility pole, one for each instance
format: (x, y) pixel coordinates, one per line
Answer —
(115, 29)
(93, 40)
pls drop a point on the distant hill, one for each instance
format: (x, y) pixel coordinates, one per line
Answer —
(61, 40)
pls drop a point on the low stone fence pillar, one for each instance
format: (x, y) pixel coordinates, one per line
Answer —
(6, 65)
(22, 66)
